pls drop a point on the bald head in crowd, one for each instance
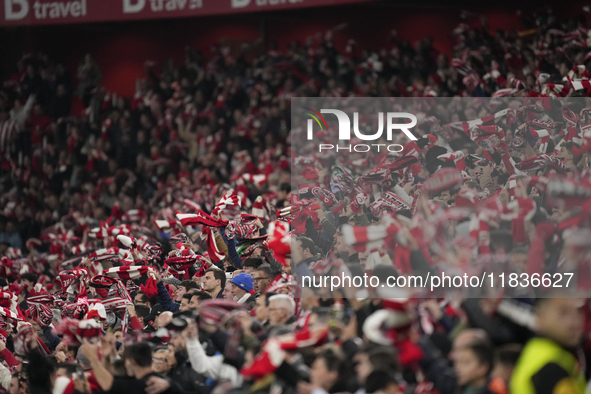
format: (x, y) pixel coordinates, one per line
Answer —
(163, 319)
(281, 309)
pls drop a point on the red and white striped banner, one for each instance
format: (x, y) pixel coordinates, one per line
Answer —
(364, 238)
(126, 273)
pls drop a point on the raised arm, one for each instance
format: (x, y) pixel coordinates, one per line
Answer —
(102, 375)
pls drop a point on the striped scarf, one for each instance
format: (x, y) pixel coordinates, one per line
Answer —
(200, 218)
(127, 273)
(180, 265)
(68, 277)
(41, 313)
(368, 238)
(241, 228)
(230, 199)
(73, 331)
(7, 313)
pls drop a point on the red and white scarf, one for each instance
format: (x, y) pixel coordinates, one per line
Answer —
(127, 273)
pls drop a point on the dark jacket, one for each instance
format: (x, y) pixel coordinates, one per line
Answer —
(165, 300)
(321, 242)
(500, 329)
(138, 386)
(303, 268)
(436, 368)
(186, 377)
(39, 373)
(232, 253)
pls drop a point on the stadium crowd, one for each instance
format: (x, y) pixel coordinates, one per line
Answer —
(154, 244)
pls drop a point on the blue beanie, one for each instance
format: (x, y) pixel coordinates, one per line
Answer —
(244, 281)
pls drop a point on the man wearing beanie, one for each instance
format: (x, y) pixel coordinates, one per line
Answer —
(243, 290)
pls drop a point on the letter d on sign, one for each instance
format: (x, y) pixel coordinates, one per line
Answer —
(9, 12)
(240, 3)
(129, 8)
